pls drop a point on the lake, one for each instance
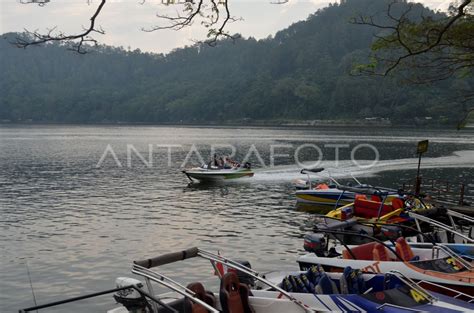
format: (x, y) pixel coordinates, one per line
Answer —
(79, 203)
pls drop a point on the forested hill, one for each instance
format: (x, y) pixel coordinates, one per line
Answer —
(300, 73)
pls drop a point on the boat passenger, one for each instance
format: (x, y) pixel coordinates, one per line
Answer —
(220, 163)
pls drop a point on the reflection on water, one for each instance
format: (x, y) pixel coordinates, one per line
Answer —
(79, 226)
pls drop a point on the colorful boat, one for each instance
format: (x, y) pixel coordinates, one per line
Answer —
(324, 195)
(353, 291)
(333, 194)
(244, 290)
(431, 267)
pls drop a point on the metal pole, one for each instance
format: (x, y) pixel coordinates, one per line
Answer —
(461, 198)
(418, 179)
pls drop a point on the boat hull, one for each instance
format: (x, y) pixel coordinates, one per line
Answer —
(462, 281)
(324, 197)
(217, 175)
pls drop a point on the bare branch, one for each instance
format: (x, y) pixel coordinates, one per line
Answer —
(422, 44)
(213, 14)
(77, 40)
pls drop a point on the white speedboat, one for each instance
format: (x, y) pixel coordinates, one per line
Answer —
(242, 290)
(214, 173)
(434, 267)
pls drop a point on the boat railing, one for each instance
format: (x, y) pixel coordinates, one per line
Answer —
(459, 294)
(412, 284)
(142, 268)
(435, 252)
(311, 170)
(216, 258)
(460, 216)
(454, 193)
(435, 223)
(356, 234)
(381, 307)
(170, 284)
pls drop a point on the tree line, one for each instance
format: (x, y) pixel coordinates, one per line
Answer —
(301, 73)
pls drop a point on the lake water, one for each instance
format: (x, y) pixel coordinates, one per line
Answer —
(78, 223)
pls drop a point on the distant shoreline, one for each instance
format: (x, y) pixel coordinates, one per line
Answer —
(261, 123)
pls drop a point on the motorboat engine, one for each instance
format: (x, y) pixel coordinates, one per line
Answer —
(391, 232)
(244, 278)
(130, 298)
(314, 242)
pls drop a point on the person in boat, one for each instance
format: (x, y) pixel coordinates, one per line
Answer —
(220, 163)
(231, 163)
(227, 163)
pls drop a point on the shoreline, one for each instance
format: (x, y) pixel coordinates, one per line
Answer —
(249, 124)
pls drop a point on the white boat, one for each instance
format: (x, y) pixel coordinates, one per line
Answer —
(434, 267)
(214, 173)
(242, 290)
(267, 293)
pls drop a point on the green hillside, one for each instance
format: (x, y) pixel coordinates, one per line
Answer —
(300, 73)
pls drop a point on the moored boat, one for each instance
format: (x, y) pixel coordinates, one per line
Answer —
(433, 267)
(320, 193)
(243, 290)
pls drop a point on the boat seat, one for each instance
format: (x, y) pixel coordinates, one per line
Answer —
(380, 253)
(233, 295)
(326, 286)
(369, 209)
(361, 252)
(183, 305)
(404, 250)
(397, 203)
(376, 198)
(322, 186)
(351, 281)
(203, 295)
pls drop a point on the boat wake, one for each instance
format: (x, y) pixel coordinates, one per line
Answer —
(346, 168)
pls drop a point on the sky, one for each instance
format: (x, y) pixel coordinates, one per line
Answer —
(123, 20)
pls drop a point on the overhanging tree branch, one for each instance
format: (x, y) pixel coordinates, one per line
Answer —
(77, 40)
(408, 43)
(214, 15)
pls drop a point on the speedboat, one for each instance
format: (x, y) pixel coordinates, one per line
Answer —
(323, 194)
(386, 221)
(214, 173)
(311, 192)
(319, 193)
(355, 291)
(384, 213)
(434, 267)
(422, 236)
(243, 290)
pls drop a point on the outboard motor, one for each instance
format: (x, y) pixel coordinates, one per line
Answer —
(244, 278)
(316, 243)
(131, 299)
(347, 213)
(391, 232)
